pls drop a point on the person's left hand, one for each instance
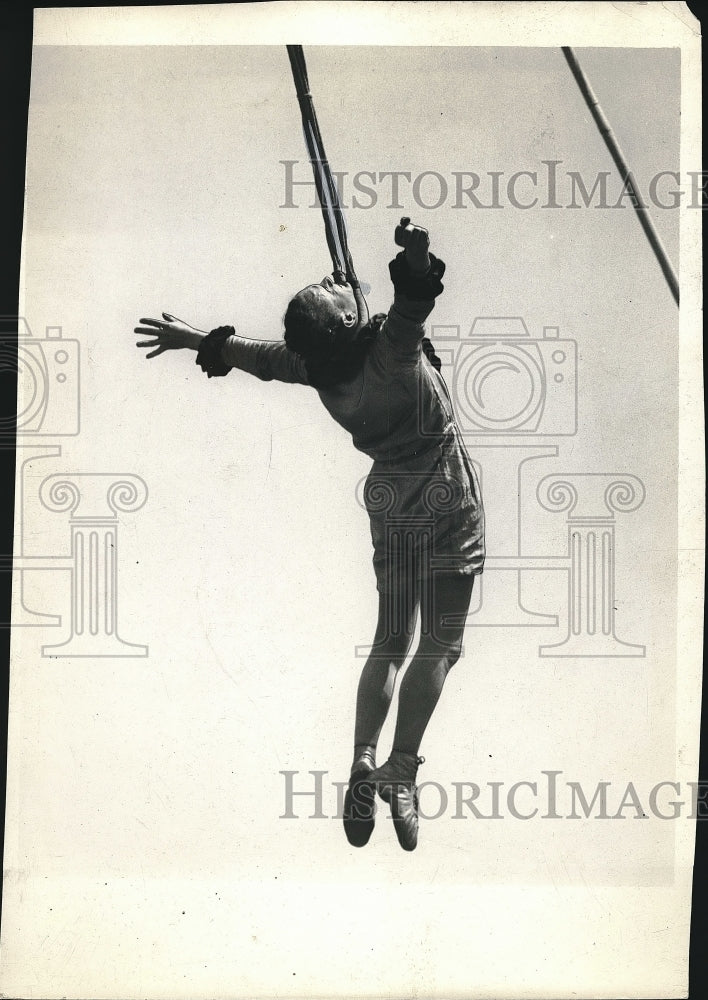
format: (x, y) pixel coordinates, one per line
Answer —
(170, 333)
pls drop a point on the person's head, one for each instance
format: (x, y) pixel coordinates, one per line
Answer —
(321, 320)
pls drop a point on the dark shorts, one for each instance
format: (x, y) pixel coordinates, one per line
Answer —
(426, 515)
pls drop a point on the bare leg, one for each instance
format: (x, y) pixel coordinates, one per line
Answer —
(444, 607)
(394, 631)
(438, 650)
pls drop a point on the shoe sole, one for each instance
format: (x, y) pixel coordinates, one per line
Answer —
(359, 811)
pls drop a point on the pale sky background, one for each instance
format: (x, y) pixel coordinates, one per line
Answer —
(154, 183)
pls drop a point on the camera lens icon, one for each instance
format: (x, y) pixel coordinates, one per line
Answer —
(47, 381)
(505, 382)
(498, 388)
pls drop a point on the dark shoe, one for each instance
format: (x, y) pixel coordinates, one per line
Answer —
(395, 783)
(360, 805)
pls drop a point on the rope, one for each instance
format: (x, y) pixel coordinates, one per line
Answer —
(616, 153)
(334, 223)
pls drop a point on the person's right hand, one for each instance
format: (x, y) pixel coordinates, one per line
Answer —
(170, 334)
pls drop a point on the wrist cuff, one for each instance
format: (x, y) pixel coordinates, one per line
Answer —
(209, 354)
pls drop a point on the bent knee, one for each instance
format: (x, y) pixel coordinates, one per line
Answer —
(445, 651)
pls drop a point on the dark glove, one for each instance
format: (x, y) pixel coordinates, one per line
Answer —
(415, 286)
(209, 353)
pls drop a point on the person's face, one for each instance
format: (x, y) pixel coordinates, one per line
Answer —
(337, 299)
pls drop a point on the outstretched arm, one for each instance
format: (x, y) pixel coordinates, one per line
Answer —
(221, 350)
(170, 334)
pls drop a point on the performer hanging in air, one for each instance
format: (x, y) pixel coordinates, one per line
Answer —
(380, 380)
